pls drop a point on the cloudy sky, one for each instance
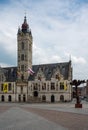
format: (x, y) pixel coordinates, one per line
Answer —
(59, 29)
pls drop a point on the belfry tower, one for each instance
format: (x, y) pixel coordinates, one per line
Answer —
(24, 51)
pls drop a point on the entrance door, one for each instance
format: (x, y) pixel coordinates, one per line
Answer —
(35, 93)
(9, 98)
(24, 98)
(2, 98)
(19, 98)
(52, 98)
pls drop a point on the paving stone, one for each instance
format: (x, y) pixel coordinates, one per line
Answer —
(19, 119)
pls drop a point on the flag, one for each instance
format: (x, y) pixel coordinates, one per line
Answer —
(5, 87)
(31, 71)
(18, 74)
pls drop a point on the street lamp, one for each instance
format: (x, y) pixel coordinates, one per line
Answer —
(76, 83)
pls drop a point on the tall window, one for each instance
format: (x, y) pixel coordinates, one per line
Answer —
(9, 87)
(1, 87)
(52, 86)
(62, 85)
(36, 86)
(22, 46)
(22, 57)
(44, 86)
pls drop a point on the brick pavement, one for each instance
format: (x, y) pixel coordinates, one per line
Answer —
(16, 118)
(42, 116)
(4, 108)
(72, 121)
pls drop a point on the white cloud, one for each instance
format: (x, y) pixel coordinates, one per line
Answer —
(58, 27)
(4, 65)
(79, 60)
(75, 59)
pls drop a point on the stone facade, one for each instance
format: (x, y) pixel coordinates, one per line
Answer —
(34, 83)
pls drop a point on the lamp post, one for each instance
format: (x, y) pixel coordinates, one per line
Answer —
(76, 83)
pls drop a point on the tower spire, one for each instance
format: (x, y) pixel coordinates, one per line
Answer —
(24, 40)
(25, 26)
(70, 57)
(25, 13)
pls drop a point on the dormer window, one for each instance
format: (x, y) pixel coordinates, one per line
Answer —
(57, 76)
(39, 77)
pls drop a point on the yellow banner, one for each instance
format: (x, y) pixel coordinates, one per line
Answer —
(5, 87)
(65, 86)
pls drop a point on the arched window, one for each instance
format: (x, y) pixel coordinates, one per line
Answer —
(24, 98)
(22, 57)
(9, 98)
(52, 98)
(2, 98)
(61, 98)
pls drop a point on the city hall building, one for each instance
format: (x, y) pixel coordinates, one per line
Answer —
(34, 83)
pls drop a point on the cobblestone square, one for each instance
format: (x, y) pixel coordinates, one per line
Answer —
(43, 116)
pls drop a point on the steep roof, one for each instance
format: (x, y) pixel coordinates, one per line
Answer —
(47, 69)
(10, 73)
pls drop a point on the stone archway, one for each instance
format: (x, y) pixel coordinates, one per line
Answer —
(35, 93)
(24, 98)
(19, 98)
(2, 98)
(9, 98)
(52, 98)
(61, 98)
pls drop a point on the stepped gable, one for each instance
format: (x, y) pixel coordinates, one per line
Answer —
(48, 70)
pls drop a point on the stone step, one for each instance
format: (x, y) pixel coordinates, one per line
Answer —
(34, 99)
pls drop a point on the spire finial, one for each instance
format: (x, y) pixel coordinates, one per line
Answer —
(25, 14)
(70, 57)
(25, 21)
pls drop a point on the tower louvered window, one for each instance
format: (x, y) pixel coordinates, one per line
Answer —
(22, 57)
(22, 46)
